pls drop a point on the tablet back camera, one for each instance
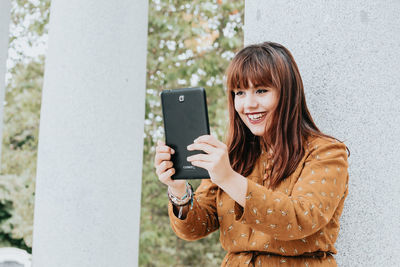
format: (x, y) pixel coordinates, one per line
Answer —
(181, 98)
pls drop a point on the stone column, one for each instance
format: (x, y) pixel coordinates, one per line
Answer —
(5, 8)
(348, 53)
(88, 186)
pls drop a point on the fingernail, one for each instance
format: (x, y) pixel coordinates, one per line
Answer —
(172, 151)
(188, 158)
(188, 147)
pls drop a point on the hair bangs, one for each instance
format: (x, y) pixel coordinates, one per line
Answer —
(251, 70)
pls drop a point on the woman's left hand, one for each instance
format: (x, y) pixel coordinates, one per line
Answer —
(216, 161)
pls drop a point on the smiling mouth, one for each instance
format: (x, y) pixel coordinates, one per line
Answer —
(256, 117)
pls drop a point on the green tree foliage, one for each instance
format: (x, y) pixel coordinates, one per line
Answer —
(29, 20)
(190, 44)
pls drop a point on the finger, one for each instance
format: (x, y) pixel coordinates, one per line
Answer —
(211, 140)
(201, 164)
(199, 157)
(165, 177)
(165, 149)
(202, 146)
(160, 157)
(165, 165)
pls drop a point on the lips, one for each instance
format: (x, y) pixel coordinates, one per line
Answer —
(255, 118)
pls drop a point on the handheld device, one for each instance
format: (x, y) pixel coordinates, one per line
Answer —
(185, 118)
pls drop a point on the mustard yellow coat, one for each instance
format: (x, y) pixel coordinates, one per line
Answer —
(295, 224)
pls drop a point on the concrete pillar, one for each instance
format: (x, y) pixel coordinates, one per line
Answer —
(348, 53)
(5, 8)
(88, 186)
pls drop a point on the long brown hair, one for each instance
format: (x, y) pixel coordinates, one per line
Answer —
(271, 65)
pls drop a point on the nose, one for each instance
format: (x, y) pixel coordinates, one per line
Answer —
(250, 102)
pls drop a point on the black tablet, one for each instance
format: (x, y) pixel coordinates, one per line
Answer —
(185, 118)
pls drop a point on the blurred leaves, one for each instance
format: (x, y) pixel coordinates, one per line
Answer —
(19, 151)
(21, 123)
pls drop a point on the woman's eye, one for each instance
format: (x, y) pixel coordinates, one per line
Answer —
(261, 91)
(239, 93)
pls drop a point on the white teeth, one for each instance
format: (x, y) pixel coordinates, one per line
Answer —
(255, 116)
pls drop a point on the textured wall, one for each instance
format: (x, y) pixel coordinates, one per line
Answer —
(89, 170)
(5, 8)
(348, 53)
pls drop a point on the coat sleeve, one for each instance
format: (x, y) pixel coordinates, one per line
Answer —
(202, 218)
(315, 197)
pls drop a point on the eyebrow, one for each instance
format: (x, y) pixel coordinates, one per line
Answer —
(256, 87)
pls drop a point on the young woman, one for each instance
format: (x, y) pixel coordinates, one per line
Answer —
(278, 185)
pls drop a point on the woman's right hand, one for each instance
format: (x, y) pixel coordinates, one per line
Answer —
(164, 169)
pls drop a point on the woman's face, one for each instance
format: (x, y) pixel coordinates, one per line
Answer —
(255, 107)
